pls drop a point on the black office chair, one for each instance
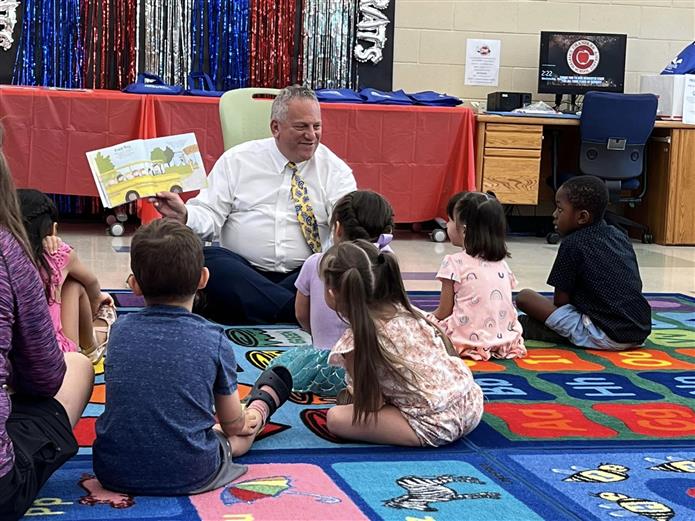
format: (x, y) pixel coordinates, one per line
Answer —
(614, 130)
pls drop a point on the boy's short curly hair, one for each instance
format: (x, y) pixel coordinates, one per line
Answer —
(587, 192)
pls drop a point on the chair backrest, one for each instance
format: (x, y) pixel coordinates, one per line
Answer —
(614, 130)
(245, 115)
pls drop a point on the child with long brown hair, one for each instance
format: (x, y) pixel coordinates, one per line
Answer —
(82, 314)
(42, 391)
(407, 389)
(361, 214)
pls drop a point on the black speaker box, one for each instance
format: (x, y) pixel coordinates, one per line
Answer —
(507, 101)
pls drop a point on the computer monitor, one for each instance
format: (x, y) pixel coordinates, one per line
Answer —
(575, 63)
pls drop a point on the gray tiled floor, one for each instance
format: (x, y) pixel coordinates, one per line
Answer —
(664, 269)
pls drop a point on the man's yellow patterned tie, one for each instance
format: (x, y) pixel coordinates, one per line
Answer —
(305, 213)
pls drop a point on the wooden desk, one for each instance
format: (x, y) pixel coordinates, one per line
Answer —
(509, 154)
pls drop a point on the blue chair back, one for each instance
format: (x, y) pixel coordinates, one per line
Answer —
(614, 130)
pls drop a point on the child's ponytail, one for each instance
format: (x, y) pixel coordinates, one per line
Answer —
(356, 289)
(351, 271)
(389, 282)
(39, 212)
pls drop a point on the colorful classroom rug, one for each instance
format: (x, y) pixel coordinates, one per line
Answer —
(568, 434)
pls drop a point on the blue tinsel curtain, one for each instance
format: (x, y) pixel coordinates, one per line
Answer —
(49, 51)
(220, 41)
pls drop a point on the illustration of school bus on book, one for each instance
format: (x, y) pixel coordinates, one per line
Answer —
(141, 168)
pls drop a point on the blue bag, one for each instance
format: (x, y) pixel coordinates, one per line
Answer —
(338, 96)
(684, 63)
(207, 87)
(155, 85)
(435, 99)
(385, 98)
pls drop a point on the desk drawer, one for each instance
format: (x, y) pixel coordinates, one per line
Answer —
(513, 179)
(513, 136)
(513, 152)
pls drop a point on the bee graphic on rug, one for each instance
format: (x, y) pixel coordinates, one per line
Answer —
(673, 464)
(642, 507)
(251, 337)
(425, 490)
(309, 398)
(262, 358)
(604, 473)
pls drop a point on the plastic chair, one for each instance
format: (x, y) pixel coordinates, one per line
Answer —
(614, 130)
(245, 115)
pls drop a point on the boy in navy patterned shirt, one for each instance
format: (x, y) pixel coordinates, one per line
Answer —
(598, 301)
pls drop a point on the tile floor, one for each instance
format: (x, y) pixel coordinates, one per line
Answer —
(664, 269)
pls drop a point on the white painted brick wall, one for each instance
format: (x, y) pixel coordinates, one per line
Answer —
(430, 37)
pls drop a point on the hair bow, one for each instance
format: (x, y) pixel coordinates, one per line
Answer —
(383, 240)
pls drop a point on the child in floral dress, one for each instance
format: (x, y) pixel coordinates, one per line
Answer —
(407, 389)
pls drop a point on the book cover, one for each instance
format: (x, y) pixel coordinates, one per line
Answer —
(140, 168)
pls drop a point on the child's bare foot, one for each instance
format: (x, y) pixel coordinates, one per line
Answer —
(344, 397)
(100, 327)
(253, 423)
(270, 391)
(101, 338)
(258, 412)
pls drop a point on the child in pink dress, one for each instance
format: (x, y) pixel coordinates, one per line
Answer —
(475, 307)
(82, 315)
(407, 389)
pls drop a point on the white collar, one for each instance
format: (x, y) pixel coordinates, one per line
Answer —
(280, 161)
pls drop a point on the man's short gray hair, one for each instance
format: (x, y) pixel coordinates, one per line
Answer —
(296, 92)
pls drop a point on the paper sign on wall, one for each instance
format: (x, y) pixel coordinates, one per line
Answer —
(689, 99)
(483, 62)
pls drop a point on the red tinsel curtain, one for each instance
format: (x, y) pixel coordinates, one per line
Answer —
(272, 47)
(109, 34)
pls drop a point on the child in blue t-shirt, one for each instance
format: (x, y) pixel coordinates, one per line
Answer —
(167, 372)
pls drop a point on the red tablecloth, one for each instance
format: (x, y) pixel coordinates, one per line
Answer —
(415, 156)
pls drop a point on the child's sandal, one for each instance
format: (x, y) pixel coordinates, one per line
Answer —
(277, 378)
(96, 354)
(107, 313)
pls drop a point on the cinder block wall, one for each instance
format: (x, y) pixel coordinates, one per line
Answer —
(430, 38)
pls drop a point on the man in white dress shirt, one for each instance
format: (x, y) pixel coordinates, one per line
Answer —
(248, 206)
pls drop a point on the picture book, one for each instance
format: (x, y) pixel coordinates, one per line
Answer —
(126, 172)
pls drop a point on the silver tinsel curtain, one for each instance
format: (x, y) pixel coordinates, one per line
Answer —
(167, 36)
(327, 41)
(328, 37)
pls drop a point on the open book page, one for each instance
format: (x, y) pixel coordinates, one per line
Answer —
(141, 168)
(176, 163)
(115, 168)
